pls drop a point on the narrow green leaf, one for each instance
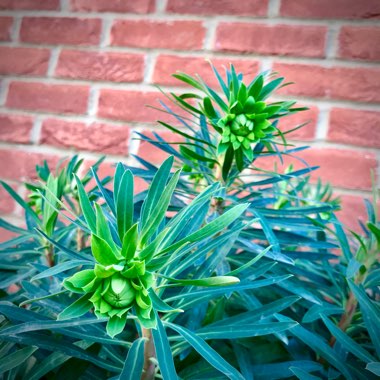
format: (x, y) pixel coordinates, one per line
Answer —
(78, 308)
(61, 268)
(250, 262)
(189, 80)
(163, 351)
(20, 201)
(303, 375)
(16, 358)
(159, 211)
(115, 325)
(124, 203)
(134, 363)
(317, 344)
(102, 252)
(348, 343)
(241, 330)
(102, 227)
(208, 353)
(210, 281)
(211, 228)
(161, 305)
(370, 313)
(155, 189)
(130, 241)
(374, 367)
(85, 205)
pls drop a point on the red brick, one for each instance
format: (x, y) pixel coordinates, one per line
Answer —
(346, 9)
(21, 165)
(359, 43)
(140, 6)
(307, 132)
(59, 98)
(183, 35)
(23, 61)
(60, 30)
(15, 128)
(131, 106)
(219, 7)
(115, 67)
(46, 5)
(166, 65)
(353, 210)
(355, 127)
(5, 28)
(344, 168)
(96, 137)
(6, 235)
(7, 203)
(298, 40)
(359, 84)
(152, 154)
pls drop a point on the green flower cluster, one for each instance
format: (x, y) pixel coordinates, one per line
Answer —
(243, 128)
(115, 289)
(243, 117)
(246, 118)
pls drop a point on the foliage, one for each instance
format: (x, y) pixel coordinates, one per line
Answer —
(220, 270)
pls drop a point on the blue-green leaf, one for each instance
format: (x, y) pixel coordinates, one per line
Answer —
(15, 358)
(124, 203)
(163, 352)
(370, 312)
(348, 343)
(86, 207)
(134, 363)
(208, 353)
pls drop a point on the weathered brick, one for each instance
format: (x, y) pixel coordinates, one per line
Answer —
(183, 35)
(140, 6)
(130, 105)
(355, 127)
(344, 168)
(359, 42)
(7, 203)
(298, 40)
(219, 7)
(38, 5)
(346, 9)
(59, 98)
(166, 65)
(88, 65)
(23, 61)
(20, 165)
(5, 28)
(6, 235)
(16, 129)
(96, 137)
(307, 132)
(353, 210)
(351, 83)
(60, 30)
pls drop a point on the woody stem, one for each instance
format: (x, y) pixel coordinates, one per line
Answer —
(149, 353)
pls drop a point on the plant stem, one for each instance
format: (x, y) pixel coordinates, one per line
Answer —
(50, 255)
(149, 352)
(346, 319)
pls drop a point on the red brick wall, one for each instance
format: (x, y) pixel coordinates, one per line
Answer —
(75, 75)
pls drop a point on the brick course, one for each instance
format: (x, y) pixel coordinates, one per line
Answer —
(76, 75)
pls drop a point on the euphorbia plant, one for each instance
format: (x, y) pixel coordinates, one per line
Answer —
(221, 270)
